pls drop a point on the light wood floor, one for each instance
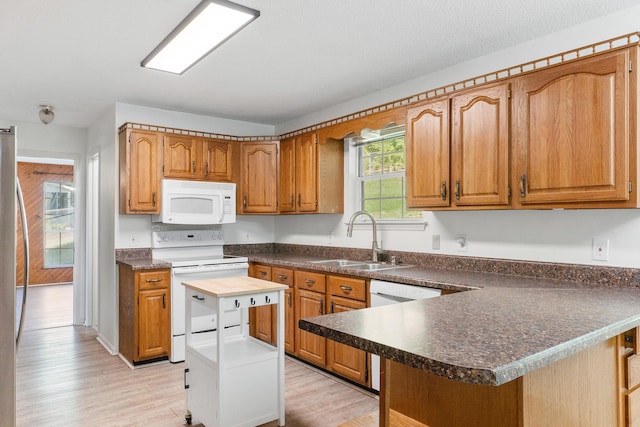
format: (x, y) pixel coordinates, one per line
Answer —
(66, 378)
(48, 306)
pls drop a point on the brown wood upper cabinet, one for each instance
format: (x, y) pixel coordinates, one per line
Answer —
(188, 157)
(572, 133)
(140, 160)
(258, 188)
(464, 162)
(311, 175)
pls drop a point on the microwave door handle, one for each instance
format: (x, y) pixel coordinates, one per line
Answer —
(221, 206)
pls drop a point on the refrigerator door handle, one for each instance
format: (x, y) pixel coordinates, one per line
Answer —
(25, 240)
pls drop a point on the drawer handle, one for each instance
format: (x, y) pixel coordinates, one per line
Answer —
(309, 282)
(154, 280)
(237, 304)
(346, 288)
(198, 298)
(262, 273)
(267, 299)
(253, 302)
(282, 276)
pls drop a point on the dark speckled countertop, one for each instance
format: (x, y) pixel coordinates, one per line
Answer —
(505, 327)
(518, 316)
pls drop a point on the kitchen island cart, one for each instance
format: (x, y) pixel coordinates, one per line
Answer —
(233, 379)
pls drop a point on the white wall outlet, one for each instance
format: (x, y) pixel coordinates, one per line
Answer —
(600, 249)
(435, 242)
(247, 237)
(461, 242)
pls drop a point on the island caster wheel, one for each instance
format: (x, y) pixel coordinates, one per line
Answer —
(188, 419)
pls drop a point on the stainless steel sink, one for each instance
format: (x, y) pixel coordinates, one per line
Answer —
(377, 266)
(339, 262)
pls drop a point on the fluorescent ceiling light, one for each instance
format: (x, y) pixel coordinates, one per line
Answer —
(209, 25)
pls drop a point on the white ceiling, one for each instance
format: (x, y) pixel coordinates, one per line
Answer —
(298, 57)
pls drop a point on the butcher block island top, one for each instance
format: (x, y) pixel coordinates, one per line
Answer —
(233, 286)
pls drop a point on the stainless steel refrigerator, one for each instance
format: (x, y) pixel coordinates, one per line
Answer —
(10, 198)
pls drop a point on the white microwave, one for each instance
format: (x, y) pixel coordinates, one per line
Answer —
(196, 202)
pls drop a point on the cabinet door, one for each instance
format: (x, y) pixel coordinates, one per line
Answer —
(306, 173)
(427, 151)
(154, 324)
(310, 347)
(217, 160)
(259, 177)
(181, 157)
(287, 189)
(289, 322)
(480, 147)
(572, 132)
(342, 359)
(140, 179)
(262, 319)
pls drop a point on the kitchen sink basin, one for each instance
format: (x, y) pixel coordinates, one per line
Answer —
(377, 266)
(338, 262)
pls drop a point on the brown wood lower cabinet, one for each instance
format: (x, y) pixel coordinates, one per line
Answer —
(592, 388)
(310, 301)
(346, 294)
(145, 314)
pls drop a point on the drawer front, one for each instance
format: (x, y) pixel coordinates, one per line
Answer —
(633, 371)
(282, 275)
(246, 301)
(156, 279)
(347, 287)
(262, 272)
(310, 281)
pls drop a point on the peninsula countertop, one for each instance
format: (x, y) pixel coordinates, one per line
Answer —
(499, 329)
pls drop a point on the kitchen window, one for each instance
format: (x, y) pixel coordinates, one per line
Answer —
(58, 224)
(381, 175)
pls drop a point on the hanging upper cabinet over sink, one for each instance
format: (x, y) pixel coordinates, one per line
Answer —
(575, 135)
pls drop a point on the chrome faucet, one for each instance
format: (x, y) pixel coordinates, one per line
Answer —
(374, 244)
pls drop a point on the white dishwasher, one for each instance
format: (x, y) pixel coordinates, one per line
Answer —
(385, 293)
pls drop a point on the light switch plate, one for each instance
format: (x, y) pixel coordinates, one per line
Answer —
(435, 242)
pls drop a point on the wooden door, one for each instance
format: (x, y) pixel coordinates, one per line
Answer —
(181, 154)
(310, 347)
(427, 155)
(143, 169)
(217, 160)
(572, 132)
(259, 177)
(342, 359)
(287, 184)
(289, 322)
(154, 324)
(306, 173)
(261, 319)
(480, 147)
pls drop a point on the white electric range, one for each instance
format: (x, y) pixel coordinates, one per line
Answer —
(195, 255)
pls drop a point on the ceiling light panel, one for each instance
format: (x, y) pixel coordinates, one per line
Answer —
(210, 24)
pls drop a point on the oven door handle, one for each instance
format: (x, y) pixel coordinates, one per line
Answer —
(206, 269)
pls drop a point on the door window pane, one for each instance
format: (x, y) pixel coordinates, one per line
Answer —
(59, 204)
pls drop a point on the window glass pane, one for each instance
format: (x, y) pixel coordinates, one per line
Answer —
(391, 187)
(59, 202)
(373, 206)
(373, 148)
(394, 145)
(391, 208)
(371, 165)
(371, 189)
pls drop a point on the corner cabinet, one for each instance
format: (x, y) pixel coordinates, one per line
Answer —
(258, 186)
(575, 133)
(461, 163)
(140, 171)
(311, 175)
(144, 314)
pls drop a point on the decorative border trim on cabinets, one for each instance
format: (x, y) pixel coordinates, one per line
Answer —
(495, 76)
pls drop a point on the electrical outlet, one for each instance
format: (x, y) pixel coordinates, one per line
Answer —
(600, 249)
(435, 242)
(330, 238)
(247, 237)
(132, 241)
(461, 242)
